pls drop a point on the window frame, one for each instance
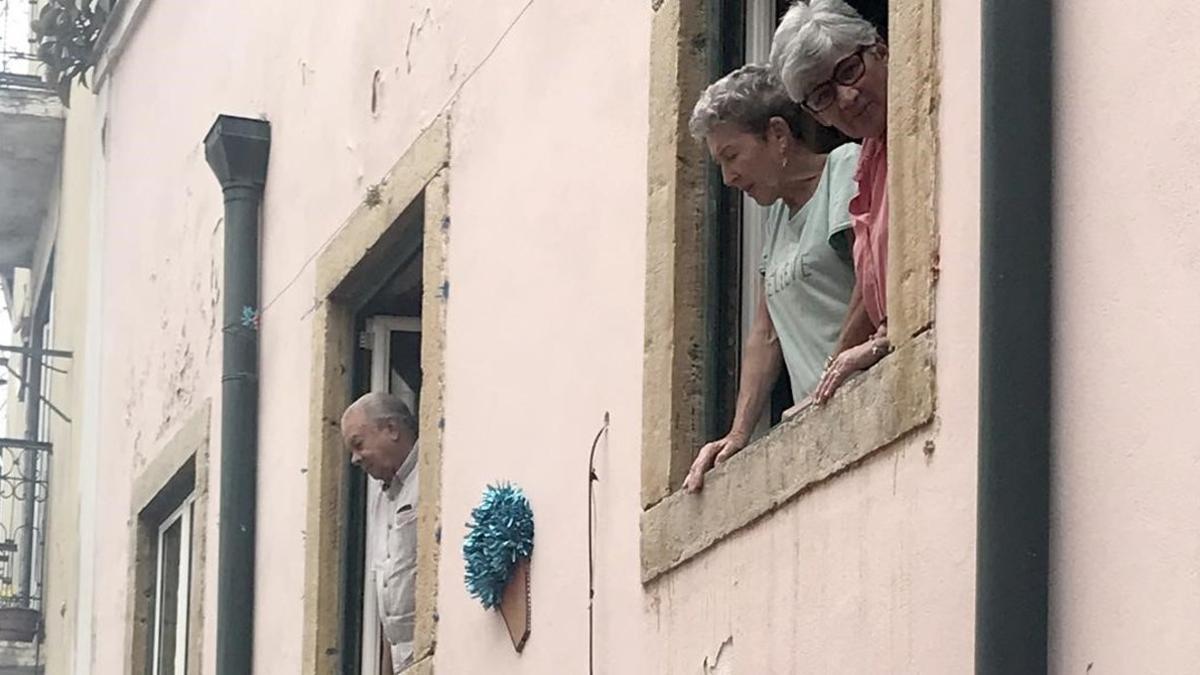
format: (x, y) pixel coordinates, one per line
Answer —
(175, 479)
(870, 412)
(403, 241)
(420, 173)
(183, 586)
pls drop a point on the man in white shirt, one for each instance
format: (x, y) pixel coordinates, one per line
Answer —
(380, 433)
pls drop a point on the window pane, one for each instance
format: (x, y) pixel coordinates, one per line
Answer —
(405, 347)
(171, 543)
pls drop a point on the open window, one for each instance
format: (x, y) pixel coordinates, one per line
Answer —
(696, 290)
(387, 296)
(735, 222)
(384, 269)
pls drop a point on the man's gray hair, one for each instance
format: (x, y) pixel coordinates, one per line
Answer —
(380, 407)
(810, 40)
(748, 98)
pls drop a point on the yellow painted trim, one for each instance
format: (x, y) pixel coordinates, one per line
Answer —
(913, 80)
(673, 376)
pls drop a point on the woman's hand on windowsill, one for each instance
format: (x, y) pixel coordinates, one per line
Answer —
(712, 453)
(847, 363)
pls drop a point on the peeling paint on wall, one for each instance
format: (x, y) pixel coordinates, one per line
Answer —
(414, 31)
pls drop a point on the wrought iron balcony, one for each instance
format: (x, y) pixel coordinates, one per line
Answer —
(24, 486)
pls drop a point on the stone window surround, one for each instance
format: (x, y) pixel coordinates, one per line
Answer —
(874, 409)
(179, 469)
(422, 170)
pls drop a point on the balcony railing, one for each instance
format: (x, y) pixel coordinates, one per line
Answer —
(23, 82)
(24, 486)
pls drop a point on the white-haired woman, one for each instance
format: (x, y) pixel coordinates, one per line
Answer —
(763, 143)
(833, 62)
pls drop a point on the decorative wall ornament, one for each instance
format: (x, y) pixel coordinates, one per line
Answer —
(496, 553)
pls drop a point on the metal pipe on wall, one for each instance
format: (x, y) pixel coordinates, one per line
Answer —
(1016, 330)
(237, 149)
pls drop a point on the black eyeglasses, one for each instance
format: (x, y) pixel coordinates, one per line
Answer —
(846, 72)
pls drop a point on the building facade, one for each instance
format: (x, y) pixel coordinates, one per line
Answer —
(495, 210)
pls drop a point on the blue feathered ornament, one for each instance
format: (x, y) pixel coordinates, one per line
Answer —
(499, 536)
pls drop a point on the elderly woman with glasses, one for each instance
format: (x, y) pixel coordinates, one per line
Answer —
(764, 143)
(833, 62)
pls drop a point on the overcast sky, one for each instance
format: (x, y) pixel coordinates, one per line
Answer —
(14, 35)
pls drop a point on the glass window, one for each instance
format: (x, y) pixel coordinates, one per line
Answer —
(172, 589)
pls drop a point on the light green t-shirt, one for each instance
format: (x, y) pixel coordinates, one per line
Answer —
(808, 271)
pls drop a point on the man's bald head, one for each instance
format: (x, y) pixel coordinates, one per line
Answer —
(379, 407)
(379, 431)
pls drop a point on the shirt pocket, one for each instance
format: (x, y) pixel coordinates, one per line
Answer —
(402, 537)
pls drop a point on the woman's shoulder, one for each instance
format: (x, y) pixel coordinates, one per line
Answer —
(846, 154)
(841, 168)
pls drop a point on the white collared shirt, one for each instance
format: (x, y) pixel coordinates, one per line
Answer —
(393, 559)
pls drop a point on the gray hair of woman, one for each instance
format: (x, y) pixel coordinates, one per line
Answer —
(810, 40)
(748, 98)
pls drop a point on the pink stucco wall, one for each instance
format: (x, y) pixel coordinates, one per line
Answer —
(548, 222)
(1126, 553)
(308, 68)
(872, 572)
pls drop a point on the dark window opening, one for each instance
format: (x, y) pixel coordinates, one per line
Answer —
(386, 293)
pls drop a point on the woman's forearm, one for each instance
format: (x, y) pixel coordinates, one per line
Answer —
(856, 327)
(762, 361)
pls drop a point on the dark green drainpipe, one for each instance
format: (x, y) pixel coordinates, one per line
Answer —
(1017, 236)
(237, 149)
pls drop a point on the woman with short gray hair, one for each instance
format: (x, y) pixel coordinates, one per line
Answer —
(833, 62)
(763, 143)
